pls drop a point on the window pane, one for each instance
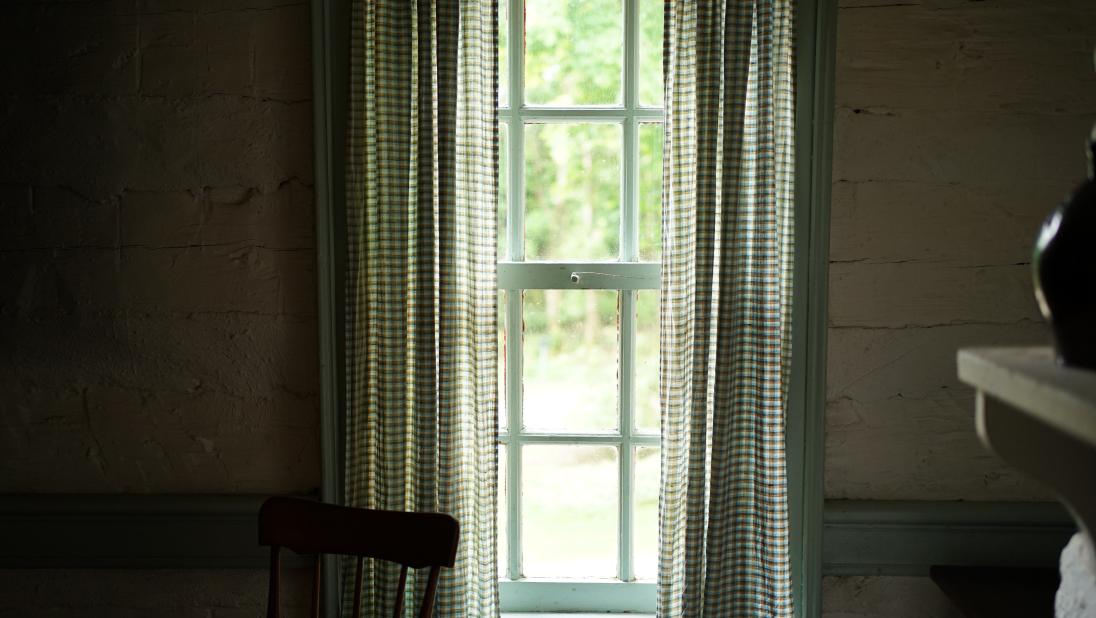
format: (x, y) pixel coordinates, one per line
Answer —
(504, 187)
(503, 523)
(645, 518)
(573, 52)
(650, 191)
(570, 360)
(650, 52)
(569, 511)
(572, 191)
(501, 367)
(504, 54)
(646, 378)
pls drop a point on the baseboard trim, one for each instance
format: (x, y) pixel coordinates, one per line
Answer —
(906, 538)
(219, 531)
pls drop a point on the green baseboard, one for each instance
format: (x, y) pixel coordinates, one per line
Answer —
(907, 537)
(219, 531)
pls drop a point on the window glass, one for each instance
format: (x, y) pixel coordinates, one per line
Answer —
(504, 54)
(569, 503)
(502, 351)
(504, 529)
(570, 360)
(651, 13)
(650, 191)
(645, 518)
(573, 52)
(504, 188)
(646, 351)
(572, 191)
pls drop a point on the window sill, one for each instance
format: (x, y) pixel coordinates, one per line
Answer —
(576, 597)
(568, 615)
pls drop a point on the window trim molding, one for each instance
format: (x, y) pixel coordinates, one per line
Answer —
(816, 29)
(816, 25)
(330, 102)
(329, 113)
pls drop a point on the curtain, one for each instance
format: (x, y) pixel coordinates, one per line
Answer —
(421, 418)
(726, 307)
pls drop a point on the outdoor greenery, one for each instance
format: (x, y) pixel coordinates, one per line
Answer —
(570, 347)
(570, 526)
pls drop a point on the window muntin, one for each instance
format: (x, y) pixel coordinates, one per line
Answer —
(588, 163)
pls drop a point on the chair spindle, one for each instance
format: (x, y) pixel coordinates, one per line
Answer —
(272, 603)
(316, 587)
(431, 588)
(358, 589)
(397, 610)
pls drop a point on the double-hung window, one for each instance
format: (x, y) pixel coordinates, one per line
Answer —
(579, 247)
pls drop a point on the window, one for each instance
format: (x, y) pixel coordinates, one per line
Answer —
(579, 225)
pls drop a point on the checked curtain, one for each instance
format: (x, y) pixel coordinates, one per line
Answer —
(726, 307)
(421, 421)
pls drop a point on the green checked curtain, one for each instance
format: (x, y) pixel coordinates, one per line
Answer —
(726, 305)
(421, 419)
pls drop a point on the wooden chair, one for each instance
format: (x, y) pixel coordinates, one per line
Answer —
(414, 540)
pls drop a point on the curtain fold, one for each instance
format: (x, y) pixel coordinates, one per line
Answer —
(726, 307)
(421, 419)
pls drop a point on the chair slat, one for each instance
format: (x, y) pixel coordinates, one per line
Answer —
(308, 527)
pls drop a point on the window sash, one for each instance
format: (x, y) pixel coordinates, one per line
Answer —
(626, 275)
(579, 276)
(625, 437)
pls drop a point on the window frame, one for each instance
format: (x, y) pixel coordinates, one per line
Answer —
(816, 26)
(627, 275)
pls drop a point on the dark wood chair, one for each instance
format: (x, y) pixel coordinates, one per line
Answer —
(415, 540)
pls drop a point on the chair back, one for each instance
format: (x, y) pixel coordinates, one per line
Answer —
(415, 540)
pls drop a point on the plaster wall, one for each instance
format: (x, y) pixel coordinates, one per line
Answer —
(157, 296)
(123, 593)
(958, 126)
(884, 597)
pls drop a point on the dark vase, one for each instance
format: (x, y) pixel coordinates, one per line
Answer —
(1064, 266)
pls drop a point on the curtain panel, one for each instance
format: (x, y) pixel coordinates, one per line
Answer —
(421, 419)
(726, 307)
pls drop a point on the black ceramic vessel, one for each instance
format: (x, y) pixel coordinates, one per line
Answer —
(1064, 266)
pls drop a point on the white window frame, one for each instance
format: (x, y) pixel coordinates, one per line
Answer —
(627, 275)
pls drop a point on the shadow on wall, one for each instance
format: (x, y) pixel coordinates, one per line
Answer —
(157, 287)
